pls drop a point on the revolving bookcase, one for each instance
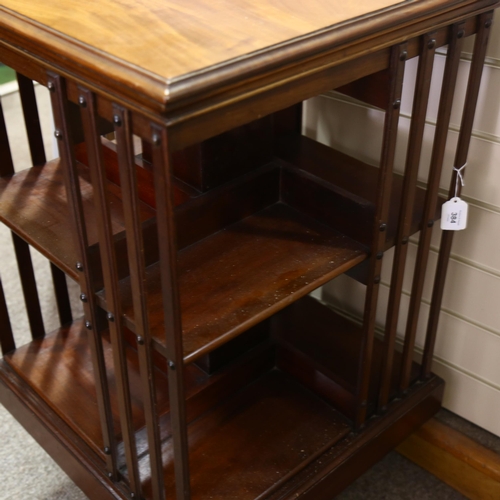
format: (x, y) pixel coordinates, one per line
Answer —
(197, 218)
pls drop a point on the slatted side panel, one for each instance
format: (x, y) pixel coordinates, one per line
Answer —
(409, 188)
(468, 337)
(460, 163)
(27, 126)
(396, 69)
(64, 134)
(435, 168)
(135, 245)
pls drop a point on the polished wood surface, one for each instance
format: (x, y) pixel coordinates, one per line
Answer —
(459, 461)
(64, 356)
(209, 370)
(317, 346)
(337, 466)
(212, 51)
(33, 203)
(171, 38)
(351, 193)
(342, 464)
(243, 274)
(227, 444)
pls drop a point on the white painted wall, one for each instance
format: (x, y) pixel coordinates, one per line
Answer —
(468, 345)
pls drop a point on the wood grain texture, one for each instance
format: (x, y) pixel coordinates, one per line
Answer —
(456, 459)
(317, 346)
(226, 444)
(243, 274)
(170, 38)
(332, 470)
(168, 52)
(33, 203)
(59, 369)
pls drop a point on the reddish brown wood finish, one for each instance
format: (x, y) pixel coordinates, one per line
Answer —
(341, 465)
(438, 151)
(250, 237)
(413, 153)
(170, 308)
(6, 165)
(28, 282)
(399, 55)
(317, 346)
(243, 274)
(135, 246)
(339, 189)
(182, 192)
(7, 342)
(41, 214)
(229, 155)
(226, 445)
(78, 233)
(110, 276)
(62, 295)
(31, 120)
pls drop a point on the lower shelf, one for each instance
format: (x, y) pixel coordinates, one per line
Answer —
(257, 428)
(252, 443)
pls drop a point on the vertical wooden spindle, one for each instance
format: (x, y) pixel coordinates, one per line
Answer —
(397, 65)
(6, 165)
(471, 97)
(438, 151)
(7, 342)
(57, 87)
(110, 274)
(31, 120)
(62, 296)
(135, 247)
(21, 248)
(6, 168)
(171, 307)
(147, 153)
(28, 282)
(422, 88)
(38, 158)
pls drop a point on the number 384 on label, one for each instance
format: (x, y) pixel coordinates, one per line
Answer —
(454, 215)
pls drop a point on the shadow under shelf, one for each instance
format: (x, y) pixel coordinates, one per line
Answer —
(281, 403)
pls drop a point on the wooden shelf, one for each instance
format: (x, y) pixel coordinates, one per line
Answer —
(276, 448)
(34, 205)
(247, 269)
(355, 183)
(245, 401)
(217, 406)
(273, 395)
(320, 348)
(245, 273)
(58, 368)
(239, 407)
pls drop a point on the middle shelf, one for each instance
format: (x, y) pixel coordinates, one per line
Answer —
(247, 248)
(243, 274)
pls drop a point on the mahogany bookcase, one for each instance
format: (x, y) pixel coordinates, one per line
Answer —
(201, 367)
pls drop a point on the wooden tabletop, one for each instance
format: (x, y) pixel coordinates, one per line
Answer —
(165, 49)
(171, 38)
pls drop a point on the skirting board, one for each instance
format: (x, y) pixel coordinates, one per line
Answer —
(457, 460)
